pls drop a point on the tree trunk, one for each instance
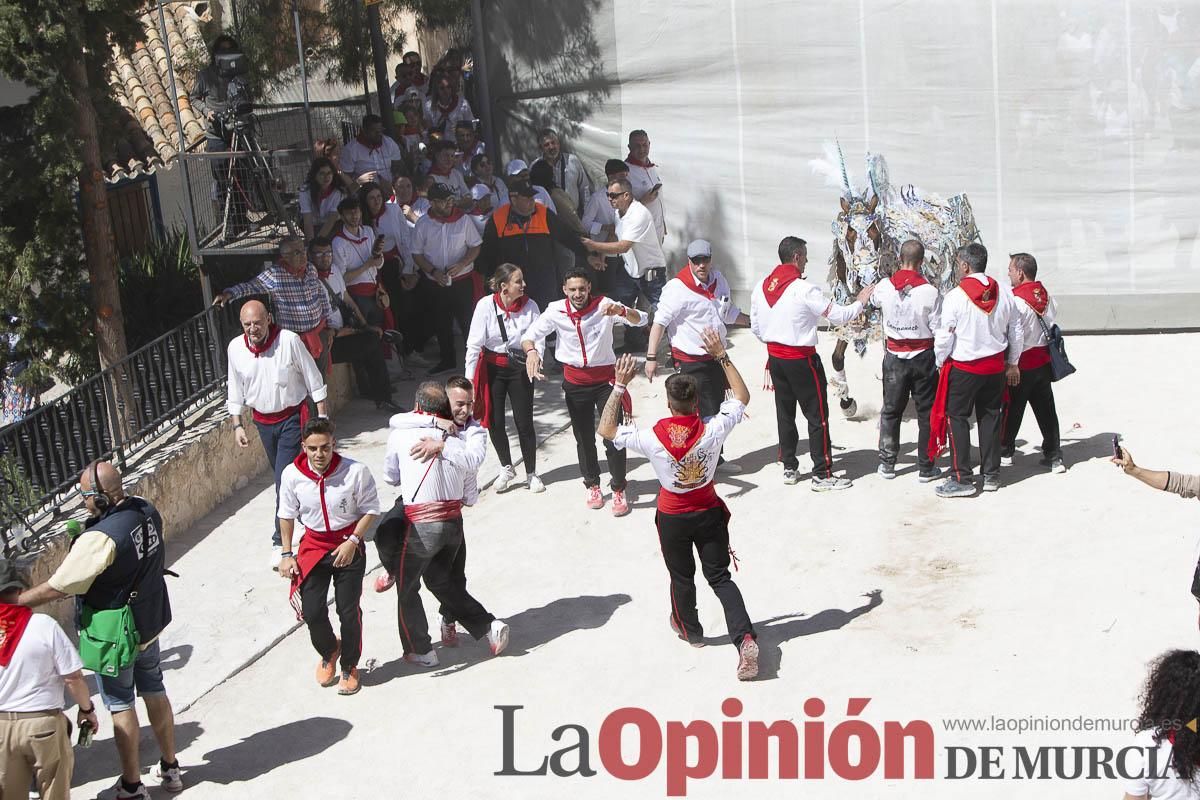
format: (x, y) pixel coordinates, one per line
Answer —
(98, 241)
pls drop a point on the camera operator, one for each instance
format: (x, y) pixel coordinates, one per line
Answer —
(220, 94)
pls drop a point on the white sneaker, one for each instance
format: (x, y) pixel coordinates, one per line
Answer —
(791, 476)
(276, 555)
(535, 484)
(830, 484)
(505, 479)
(1006, 459)
(115, 792)
(497, 637)
(429, 659)
(170, 778)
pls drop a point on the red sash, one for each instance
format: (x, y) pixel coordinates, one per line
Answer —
(679, 434)
(938, 421)
(679, 355)
(433, 511)
(908, 345)
(777, 282)
(276, 417)
(984, 294)
(1035, 357)
(594, 376)
(700, 499)
(363, 289)
(13, 621)
(312, 340)
(790, 352)
(481, 384)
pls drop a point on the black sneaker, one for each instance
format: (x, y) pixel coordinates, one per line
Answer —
(929, 474)
(887, 471)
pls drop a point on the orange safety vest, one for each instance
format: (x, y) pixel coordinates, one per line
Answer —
(538, 222)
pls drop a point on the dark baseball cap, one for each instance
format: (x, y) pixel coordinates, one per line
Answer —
(615, 166)
(9, 578)
(440, 191)
(522, 188)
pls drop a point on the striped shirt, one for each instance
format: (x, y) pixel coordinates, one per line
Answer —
(298, 304)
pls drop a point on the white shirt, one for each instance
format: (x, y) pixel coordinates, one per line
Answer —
(793, 319)
(392, 223)
(643, 179)
(272, 381)
(485, 330)
(595, 330)
(33, 680)
(571, 177)
(686, 313)
(1169, 788)
(325, 208)
(338, 287)
(443, 243)
(699, 466)
(445, 477)
(598, 213)
(966, 333)
(352, 251)
(1032, 329)
(540, 195)
(435, 120)
(349, 495)
(358, 158)
(637, 226)
(912, 314)
(464, 166)
(454, 181)
(499, 192)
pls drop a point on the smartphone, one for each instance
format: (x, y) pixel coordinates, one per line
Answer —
(657, 186)
(85, 735)
(1116, 445)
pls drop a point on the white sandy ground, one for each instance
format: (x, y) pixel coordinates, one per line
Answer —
(1044, 600)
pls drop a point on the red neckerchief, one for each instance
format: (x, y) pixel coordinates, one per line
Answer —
(576, 317)
(515, 308)
(446, 109)
(346, 235)
(325, 275)
(326, 192)
(13, 620)
(1033, 293)
(984, 294)
(453, 216)
(907, 278)
(297, 274)
(679, 434)
(370, 148)
(778, 281)
(301, 463)
(689, 280)
(272, 335)
(637, 162)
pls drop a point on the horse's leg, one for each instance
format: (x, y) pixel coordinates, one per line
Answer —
(841, 386)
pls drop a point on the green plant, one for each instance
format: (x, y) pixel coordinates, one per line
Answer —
(160, 288)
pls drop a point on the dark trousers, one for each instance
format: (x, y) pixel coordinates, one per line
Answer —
(710, 384)
(429, 552)
(368, 304)
(282, 443)
(801, 381)
(448, 305)
(1037, 390)
(708, 532)
(983, 396)
(362, 351)
(411, 317)
(347, 590)
(902, 377)
(512, 384)
(458, 579)
(618, 284)
(584, 403)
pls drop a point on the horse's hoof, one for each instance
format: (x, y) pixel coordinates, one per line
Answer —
(849, 406)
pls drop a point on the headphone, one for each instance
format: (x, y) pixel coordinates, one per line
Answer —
(100, 499)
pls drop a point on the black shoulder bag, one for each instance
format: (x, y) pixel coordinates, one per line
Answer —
(515, 355)
(1060, 365)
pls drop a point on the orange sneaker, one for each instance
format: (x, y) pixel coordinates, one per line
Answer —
(349, 683)
(327, 670)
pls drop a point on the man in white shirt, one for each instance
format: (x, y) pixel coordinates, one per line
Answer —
(431, 466)
(569, 173)
(271, 371)
(37, 662)
(584, 325)
(784, 312)
(647, 185)
(637, 242)
(911, 307)
(373, 156)
(445, 246)
(600, 223)
(977, 346)
(1037, 310)
(334, 498)
(683, 450)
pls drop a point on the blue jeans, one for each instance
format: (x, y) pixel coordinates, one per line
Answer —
(282, 443)
(143, 677)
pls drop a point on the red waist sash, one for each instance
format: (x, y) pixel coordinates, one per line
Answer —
(679, 355)
(1035, 357)
(433, 511)
(908, 345)
(700, 499)
(790, 352)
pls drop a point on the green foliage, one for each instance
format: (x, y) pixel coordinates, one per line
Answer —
(160, 288)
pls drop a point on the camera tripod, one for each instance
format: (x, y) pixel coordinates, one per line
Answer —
(250, 186)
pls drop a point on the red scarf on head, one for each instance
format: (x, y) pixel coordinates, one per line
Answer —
(13, 620)
(778, 281)
(259, 349)
(515, 308)
(637, 162)
(679, 434)
(1033, 293)
(984, 294)
(453, 216)
(688, 278)
(907, 278)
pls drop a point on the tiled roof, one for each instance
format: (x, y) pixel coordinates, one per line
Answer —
(141, 83)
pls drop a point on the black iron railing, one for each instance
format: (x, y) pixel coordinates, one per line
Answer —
(111, 415)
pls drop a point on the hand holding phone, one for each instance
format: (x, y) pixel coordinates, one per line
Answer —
(1116, 443)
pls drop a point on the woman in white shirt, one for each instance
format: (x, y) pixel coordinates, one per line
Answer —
(1170, 706)
(496, 366)
(319, 198)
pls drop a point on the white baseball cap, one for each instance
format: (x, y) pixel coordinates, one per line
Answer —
(479, 191)
(516, 166)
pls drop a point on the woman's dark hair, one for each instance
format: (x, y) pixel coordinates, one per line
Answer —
(542, 174)
(503, 274)
(311, 181)
(1171, 699)
(363, 192)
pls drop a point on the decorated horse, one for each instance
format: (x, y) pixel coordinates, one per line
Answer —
(875, 219)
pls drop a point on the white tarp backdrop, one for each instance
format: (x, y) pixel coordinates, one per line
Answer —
(1074, 127)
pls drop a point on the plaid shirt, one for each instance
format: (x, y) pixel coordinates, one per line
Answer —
(299, 304)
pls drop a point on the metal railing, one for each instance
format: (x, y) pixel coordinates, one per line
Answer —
(112, 415)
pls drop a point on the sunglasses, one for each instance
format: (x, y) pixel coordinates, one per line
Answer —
(701, 259)
(615, 195)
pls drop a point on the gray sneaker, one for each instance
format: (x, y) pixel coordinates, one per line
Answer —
(886, 471)
(991, 483)
(829, 484)
(791, 476)
(952, 488)
(929, 474)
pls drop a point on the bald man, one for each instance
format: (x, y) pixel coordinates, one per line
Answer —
(271, 371)
(119, 560)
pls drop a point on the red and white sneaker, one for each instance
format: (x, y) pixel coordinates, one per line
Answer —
(497, 637)
(682, 634)
(449, 634)
(747, 669)
(384, 581)
(620, 506)
(595, 498)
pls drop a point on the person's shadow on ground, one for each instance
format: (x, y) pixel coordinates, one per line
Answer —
(528, 630)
